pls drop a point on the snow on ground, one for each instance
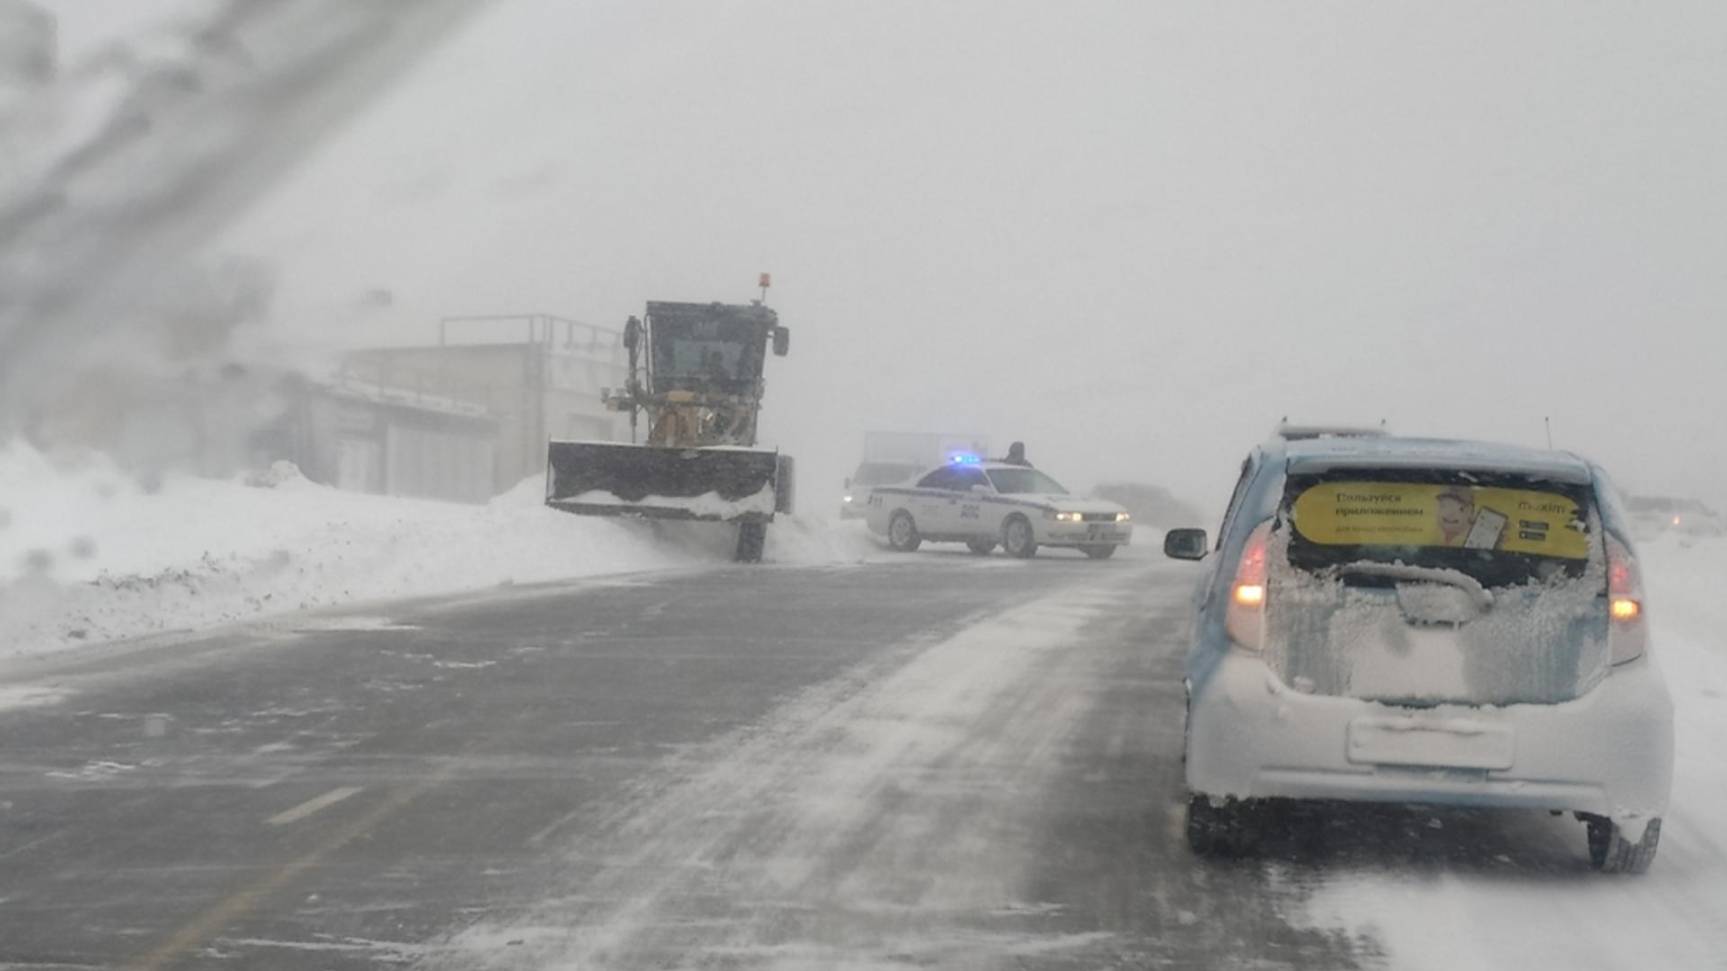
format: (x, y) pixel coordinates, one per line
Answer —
(1674, 917)
(87, 554)
(873, 821)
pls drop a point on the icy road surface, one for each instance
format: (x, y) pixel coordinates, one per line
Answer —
(936, 761)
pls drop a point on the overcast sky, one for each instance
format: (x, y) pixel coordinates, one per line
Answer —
(1133, 235)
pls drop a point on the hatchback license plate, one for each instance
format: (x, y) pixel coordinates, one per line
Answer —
(1452, 743)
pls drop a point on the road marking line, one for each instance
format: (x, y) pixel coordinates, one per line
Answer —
(244, 901)
(9, 854)
(311, 806)
(554, 826)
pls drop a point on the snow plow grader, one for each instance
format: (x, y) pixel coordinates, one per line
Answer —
(696, 374)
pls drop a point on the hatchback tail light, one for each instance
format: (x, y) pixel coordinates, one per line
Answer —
(1245, 618)
(1628, 631)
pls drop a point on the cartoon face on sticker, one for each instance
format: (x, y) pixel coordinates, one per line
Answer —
(1454, 509)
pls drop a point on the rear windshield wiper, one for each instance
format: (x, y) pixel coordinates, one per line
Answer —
(1430, 574)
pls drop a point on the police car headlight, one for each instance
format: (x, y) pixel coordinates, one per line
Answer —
(1069, 517)
(846, 499)
(1122, 517)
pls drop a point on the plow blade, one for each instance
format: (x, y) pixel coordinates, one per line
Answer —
(652, 482)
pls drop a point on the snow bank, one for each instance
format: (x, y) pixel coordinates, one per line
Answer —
(799, 540)
(1669, 918)
(87, 553)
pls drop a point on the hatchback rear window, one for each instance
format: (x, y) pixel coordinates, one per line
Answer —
(1500, 529)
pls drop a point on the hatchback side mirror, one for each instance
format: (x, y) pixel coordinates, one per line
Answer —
(1185, 544)
(782, 341)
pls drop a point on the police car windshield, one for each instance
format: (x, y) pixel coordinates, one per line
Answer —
(1020, 481)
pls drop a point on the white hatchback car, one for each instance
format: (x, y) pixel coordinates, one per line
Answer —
(982, 504)
(1418, 621)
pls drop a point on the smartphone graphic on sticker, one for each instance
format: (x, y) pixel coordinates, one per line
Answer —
(1485, 531)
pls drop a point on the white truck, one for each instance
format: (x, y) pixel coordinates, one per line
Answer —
(894, 457)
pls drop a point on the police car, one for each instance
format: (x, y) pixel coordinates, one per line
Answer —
(982, 504)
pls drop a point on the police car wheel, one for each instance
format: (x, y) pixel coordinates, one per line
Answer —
(1017, 538)
(1099, 551)
(902, 533)
(982, 547)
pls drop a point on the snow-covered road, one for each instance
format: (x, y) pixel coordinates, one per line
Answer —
(844, 759)
(942, 761)
(1480, 910)
(892, 817)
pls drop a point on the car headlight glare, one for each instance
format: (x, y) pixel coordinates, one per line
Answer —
(1122, 517)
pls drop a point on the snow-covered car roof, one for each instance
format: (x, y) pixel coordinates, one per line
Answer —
(1323, 454)
(987, 465)
(983, 465)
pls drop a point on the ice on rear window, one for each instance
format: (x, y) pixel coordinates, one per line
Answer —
(1540, 642)
(1431, 592)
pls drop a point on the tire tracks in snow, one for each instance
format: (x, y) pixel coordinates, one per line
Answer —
(883, 819)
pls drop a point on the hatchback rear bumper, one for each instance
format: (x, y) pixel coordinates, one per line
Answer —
(1609, 752)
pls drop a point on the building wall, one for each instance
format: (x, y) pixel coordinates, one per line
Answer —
(439, 462)
(367, 446)
(536, 391)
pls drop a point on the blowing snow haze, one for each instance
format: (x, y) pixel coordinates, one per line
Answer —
(1133, 236)
(371, 593)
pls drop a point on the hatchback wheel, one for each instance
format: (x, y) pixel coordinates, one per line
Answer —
(1611, 852)
(1231, 828)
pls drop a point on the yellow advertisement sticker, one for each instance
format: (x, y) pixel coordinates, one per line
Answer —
(1421, 514)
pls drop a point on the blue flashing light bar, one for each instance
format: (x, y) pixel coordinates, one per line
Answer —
(964, 458)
